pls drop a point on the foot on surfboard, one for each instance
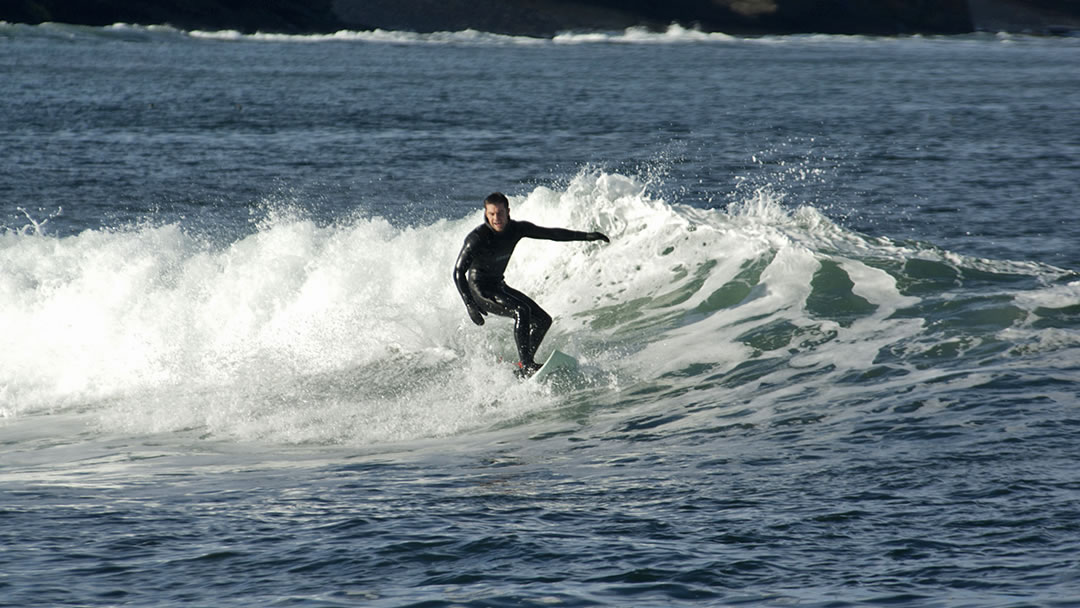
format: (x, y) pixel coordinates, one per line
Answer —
(558, 363)
(526, 370)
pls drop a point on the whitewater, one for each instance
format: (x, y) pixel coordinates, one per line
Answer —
(829, 358)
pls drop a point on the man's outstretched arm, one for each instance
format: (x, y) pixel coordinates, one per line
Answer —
(561, 234)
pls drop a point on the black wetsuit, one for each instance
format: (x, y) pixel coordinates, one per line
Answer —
(478, 275)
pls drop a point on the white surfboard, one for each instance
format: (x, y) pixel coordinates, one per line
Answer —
(558, 361)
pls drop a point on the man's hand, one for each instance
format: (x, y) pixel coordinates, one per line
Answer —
(475, 314)
(598, 236)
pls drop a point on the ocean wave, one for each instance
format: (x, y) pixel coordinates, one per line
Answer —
(353, 333)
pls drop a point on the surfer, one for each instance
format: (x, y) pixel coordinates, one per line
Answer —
(479, 270)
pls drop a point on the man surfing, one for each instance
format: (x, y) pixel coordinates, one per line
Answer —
(479, 270)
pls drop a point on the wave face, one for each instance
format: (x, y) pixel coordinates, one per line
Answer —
(352, 333)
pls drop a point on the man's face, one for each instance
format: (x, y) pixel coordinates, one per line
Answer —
(498, 216)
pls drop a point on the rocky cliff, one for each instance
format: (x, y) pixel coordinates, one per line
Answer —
(547, 17)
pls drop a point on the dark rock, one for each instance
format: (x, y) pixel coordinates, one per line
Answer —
(1032, 16)
(547, 17)
(288, 16)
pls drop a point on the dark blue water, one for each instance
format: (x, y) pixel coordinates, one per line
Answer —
(830, 357)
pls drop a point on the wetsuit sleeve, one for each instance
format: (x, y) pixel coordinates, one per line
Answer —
(461, 268)
(533, 231)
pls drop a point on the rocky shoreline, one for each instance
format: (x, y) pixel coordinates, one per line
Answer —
(548, 17)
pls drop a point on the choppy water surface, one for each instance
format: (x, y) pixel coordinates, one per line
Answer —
(830, 357)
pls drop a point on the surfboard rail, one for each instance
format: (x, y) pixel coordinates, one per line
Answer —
(557, 361)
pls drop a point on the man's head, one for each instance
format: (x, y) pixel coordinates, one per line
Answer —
(497, 211)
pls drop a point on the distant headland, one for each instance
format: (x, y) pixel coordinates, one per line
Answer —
(548, 17)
